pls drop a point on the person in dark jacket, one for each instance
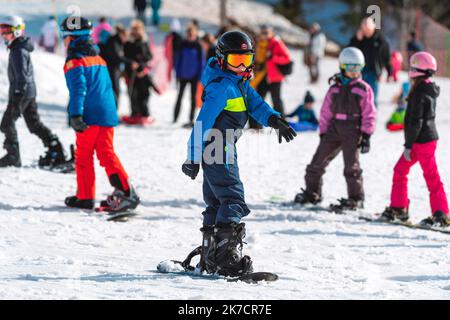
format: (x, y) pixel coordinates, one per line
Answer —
(376, 52)
(306, 117)
(421, 138)
(413, 45)
(93, 116)
(115, 58)
(137, 72)
(140, 6)
(189, 66)
(22, 99)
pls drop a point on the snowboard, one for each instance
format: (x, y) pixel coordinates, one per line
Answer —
(116, 216)
(176, 267)
(408, 224)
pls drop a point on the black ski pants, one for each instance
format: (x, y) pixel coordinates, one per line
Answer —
(183, 83)
(27, 108)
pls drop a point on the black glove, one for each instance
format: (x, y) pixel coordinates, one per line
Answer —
(17, 99)
(365, 143)
(284, 129)
(78, 124)
(190, 169)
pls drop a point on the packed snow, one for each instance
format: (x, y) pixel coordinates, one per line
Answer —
(50, 252)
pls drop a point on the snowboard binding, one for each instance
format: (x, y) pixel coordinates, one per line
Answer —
(221, 252)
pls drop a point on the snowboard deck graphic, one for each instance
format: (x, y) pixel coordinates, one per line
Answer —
(176, 267)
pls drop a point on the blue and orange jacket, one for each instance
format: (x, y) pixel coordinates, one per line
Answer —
(89, 83)
(228, 101)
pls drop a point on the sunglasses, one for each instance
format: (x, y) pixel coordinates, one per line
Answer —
(236, 60)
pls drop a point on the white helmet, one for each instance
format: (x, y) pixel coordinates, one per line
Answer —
(351, 59)
(15, 23)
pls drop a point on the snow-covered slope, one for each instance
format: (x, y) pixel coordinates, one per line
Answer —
(248, 13)
(49, 252)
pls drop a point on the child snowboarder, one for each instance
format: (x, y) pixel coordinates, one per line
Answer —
(307, 120)
(92, 112)
(347, 120)
(396, 122)
(420, 145)
(22, 99)
(228, 100)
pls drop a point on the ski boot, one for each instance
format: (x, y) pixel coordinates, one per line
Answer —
(391, 214)
(438, 219)
(74, 202)
(121, 201)
(307, 197)
(346, 205)
(54, 155)
(228, 259)
(12, 157)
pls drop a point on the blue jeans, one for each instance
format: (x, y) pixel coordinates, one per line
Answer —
(371, 78)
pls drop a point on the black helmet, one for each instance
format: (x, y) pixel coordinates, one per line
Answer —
(76, 26)
(232, 42)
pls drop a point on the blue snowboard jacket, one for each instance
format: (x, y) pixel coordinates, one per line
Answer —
(228, 100)
(89, 84)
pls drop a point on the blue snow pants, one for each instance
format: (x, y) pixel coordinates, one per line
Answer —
(223, 193)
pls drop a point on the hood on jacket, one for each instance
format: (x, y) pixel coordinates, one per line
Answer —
(81, 47)
(429, 88)
(213, 71)
(22, 43)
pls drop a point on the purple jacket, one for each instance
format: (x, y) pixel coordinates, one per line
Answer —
(345, 102)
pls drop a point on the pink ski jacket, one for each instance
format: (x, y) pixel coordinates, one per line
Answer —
(348, 102)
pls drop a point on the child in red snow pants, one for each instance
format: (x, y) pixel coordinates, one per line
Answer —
(100, 140)
(424, 153)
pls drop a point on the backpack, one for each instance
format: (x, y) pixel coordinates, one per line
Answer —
(286, 69)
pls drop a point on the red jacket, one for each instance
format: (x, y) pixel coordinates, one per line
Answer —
(279, 54)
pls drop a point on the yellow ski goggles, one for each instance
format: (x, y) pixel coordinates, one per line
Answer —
(238, 59)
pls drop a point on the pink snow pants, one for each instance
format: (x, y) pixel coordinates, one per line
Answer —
(424, 153)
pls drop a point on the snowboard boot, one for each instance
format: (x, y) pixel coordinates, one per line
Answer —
(349, 204)
(391, 214)
(438, 219)
(12, 157)
(207, 250)
(228, 258)
(74, 202)
(121, 201)
(54, 155)
(307, 197)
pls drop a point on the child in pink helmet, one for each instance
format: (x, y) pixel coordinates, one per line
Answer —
(420, 146)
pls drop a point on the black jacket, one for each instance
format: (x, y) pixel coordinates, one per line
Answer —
(20, 69)
(376, 52)
(138, 51)
(114, 53)
(420, 126)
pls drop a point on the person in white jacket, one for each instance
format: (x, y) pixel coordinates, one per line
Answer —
(49, 35)
(315, 51)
